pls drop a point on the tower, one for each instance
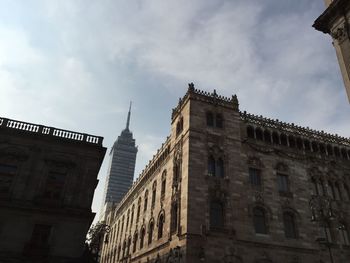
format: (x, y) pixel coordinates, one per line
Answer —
(121, 167)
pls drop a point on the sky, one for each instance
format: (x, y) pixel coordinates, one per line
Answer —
(76, 64)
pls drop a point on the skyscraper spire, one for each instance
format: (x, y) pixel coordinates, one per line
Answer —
(128, 120)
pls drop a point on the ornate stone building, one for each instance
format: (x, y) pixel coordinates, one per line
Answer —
(47, 181)
(335, 22)
(228, 186)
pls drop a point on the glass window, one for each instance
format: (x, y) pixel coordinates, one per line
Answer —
(150, 232)
(219, 121)
(282, 183)
(216, 214)
(160, 226)
(210, 119)
(259, 221)
(255, 177)
(135, 242)
(220, 167)
(142, 237)
(174, 211)
(54, 185)
(289, 225)
(211, 166)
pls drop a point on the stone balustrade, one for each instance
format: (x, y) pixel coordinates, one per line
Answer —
(49, 131)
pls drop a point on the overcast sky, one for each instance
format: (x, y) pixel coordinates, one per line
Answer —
(76, 64)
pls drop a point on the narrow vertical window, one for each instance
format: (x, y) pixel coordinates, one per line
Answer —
(220, 168)
(219, 120)
(132, 215)
(255, 177)
(250, 132)
(259, 221)
(54, 185)
(282, 183)
(267, 136)
(160, 226)
(289, 225)
(275, 138)
(211, 166)
(259, 134)
(135, 242)
(138, 210)
(162, 191)
(150, 232)
(142, 237)
(216, 214)
(146, 201)
(210, 119)
(174, 213)
(154, 193)
(314, 186)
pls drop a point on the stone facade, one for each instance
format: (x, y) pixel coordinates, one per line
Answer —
(335, 22)
(228, 186)
(47, 181)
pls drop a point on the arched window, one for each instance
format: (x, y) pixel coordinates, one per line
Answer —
(135, 242)
(162, 190)
(127, 220)
(176, 173)
(259, 134)
(146, 200)
(142, 237)
(255, 177)
(154, 192)
(138, 210)
(284, 139)
(160, 226)
(179, 126)
(216, 214)
(267, 136)
(210, 119)
(290, 230)
(250, 132)
(211, 166)
(283, 183)
(219, 120)
(220, 168)
(132, 215)
(129, 245)
(275, 138)
(119, 249)
(322, 149)
(150, 232)
(174, 213)
(259, 220)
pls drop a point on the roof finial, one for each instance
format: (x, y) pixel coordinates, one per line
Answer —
(128, 120)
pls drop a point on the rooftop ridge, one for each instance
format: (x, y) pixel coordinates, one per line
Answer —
(211, 97)
(144, 172)
(291, 127)
(31, 128)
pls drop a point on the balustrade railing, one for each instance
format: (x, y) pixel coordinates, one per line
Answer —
(50, 131)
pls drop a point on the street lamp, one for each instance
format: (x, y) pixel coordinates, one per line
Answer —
(323, 212)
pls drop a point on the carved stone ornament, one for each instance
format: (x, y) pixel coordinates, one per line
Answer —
(259, 197)
(261, 148)
(178, 152)
(339, 34)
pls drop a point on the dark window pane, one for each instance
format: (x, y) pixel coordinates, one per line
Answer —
(54, 185)
(210, 119)
(211, 166)
(216, 214)
(219, 121)
(250, 132)
(160, 226)
(282, 183)
(220, 166)
(289, 225)
(260, 221)
(174, 212)
(255, 176)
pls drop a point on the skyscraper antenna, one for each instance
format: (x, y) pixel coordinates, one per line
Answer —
(128, 120)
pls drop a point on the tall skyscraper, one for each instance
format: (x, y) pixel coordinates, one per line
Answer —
(121, 167)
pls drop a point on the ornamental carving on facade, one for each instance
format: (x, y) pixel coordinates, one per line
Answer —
(340, 33)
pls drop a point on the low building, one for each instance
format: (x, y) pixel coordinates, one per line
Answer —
(228, 186)
(335, 22)
(47, 181)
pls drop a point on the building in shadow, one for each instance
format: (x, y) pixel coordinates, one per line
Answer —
(228, 186)
(47, 181)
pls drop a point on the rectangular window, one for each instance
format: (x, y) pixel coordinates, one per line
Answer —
(7, 174)
(255, 177)
(282, 183)
(54, 185)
